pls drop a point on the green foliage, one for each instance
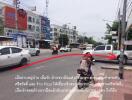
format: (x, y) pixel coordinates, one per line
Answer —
(109, 38)
(88, 40)
(63, 39)
(115, 26)
(80, 40)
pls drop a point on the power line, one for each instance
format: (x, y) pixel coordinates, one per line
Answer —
(118, 7)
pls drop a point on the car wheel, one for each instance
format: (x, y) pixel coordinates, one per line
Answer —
(23, 62)
(37, 53)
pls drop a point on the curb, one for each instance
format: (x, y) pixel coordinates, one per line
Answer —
(117, 68)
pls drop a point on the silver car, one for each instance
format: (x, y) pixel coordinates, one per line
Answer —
(11, 55)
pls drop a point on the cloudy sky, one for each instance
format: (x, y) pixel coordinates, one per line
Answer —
(87, 15)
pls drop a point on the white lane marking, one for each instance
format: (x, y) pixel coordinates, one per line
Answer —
(99, 85)
(40, 67)
(101, 97)
(94, 94)
(72, 91)
(97, 93)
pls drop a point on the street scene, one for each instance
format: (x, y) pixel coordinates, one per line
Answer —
(65, 50)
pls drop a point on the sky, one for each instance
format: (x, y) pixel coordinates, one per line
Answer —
(87, 15)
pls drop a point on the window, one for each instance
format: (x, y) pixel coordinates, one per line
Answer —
(33, 19)
(108, 48)
(60, 30)
(30, 19)
(30, 27)
(129, 47)
(37, 21)
(5, 51)
(55, 29)
(33, 28)
(100, 48)
(16, 50)
(37, 29)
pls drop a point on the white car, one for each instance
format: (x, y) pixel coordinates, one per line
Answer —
(65, 49)
(11, 55)
(34, 51)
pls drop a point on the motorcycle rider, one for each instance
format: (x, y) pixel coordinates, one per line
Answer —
(85, 64)
(55, 50)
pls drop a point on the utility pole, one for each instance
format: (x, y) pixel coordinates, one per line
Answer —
(46, 10)
(16, 4)
(121, 60)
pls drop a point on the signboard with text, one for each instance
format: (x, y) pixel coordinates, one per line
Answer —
(10, 18)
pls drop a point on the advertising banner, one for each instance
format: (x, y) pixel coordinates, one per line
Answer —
(10, 18)
(22, 19)
(9, 15)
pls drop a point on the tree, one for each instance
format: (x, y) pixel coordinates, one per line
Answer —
(109, 38)
(63, 40)
(115, 26)
(81, 39)
(109, 28)
(107, 33)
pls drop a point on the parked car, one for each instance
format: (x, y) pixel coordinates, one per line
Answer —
(65, 49)
(11, 55)
(106, 50)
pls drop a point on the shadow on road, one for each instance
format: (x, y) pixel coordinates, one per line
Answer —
(8, 68)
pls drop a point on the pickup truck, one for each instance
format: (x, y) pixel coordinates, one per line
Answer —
(106, 50)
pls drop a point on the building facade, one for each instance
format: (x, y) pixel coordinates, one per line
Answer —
(46, 35)
(8, 18)
(57, 30)
(1, 20)
(33, 29)
(29, 28)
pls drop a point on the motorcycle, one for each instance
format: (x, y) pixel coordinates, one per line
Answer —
(55, 52)
(84, 79)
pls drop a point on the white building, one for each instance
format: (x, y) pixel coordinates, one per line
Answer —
(33, 28)
(57, 30)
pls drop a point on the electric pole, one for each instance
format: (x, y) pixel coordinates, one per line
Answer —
(46, 10)
(121, 59)
(16, 4)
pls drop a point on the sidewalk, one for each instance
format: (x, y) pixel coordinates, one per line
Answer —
(116, 67)
(122, 91)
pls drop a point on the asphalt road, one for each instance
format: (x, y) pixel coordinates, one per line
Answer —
(51, 80)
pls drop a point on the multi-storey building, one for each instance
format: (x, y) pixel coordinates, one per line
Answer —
(57, 30)
(14, 28)
(1, 20)
(33, 28)
(28, 29)
(46, 35)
